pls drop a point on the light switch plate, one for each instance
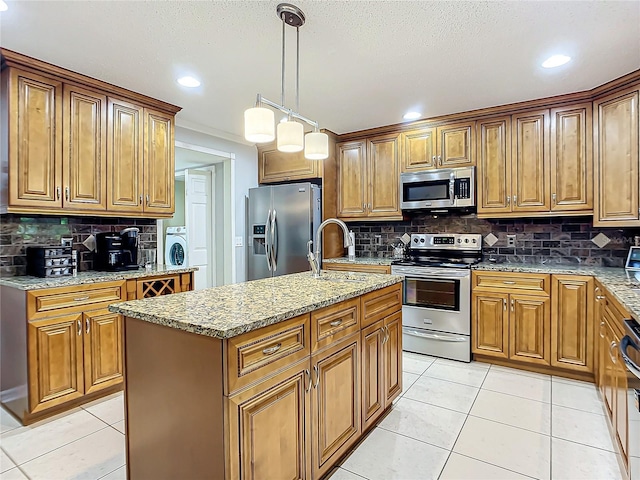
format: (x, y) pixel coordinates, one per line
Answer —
(238, 242)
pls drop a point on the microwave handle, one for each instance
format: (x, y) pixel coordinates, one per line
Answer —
(452, 183)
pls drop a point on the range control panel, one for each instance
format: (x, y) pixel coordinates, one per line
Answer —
(446, 241)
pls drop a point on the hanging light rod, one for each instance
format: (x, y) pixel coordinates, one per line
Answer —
(259, 121)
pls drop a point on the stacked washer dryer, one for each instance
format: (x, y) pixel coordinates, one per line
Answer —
(176, 252)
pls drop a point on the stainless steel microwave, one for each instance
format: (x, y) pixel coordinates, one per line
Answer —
(443, 188)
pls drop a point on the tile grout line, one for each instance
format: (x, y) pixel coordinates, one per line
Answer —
(57, 448)
(347, 470)
(109, 473)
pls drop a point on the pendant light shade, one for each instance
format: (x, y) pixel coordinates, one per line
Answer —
(316, 146)
(290, 136)
(259, 123)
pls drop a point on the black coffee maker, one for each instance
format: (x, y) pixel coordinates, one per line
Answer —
(117, 251)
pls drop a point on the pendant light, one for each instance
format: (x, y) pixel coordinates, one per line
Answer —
(259, 121)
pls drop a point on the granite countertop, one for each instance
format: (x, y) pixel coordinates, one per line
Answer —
(229, 310)
(29, 282)
(361, 260)
(618, 281)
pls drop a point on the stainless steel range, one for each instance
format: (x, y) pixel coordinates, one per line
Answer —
(436, 305)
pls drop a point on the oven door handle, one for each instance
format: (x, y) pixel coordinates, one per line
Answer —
(440, 275)
(625, 343)
(435, 336)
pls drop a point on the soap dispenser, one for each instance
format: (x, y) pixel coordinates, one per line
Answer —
(352, 248)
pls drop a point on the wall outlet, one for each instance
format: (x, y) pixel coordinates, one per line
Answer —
(377, 240)
(511, 240)
(238, 241)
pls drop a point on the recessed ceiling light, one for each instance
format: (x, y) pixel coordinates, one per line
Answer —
(555, 61)
(412, 115)
(189, 82)
(3, 6)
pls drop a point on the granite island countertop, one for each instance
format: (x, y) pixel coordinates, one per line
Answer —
(230, 310)
(28, 282)
(361, 260)
(622, 284)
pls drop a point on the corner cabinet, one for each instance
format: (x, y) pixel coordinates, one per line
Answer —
(616, 130)
(368, 178)
(78, 146)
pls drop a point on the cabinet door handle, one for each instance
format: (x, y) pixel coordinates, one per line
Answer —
(435, 162)
(440, 160)
(147, 199)
(515, 199)
(317, 372)
(87, 325)
(308, 374)
(81, 299)
(66, 193)
(553, 198)
(509, 282)
(58, 193)
(140, 199)
(504, 304)
(602, 329)
(611, 347)
(600, 297)
(512, 305)
(272, 350)
(508, 200)
(388, 334)
(79, 325)
(335, 323)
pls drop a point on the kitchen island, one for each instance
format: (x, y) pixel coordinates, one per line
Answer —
(275, 378)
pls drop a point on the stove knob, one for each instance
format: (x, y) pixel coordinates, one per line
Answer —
(415, 240)
(466, 240)
(475, 241)
(459, 240)
(422, 240)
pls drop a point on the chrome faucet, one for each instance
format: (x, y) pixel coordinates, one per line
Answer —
(314, 258)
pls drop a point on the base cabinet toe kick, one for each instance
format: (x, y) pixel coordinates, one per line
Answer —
(288, 400)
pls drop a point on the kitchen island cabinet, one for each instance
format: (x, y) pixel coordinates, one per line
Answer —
(257, 380)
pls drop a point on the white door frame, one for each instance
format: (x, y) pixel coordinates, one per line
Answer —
(229, 161)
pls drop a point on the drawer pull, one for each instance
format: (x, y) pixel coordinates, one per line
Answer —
(87, 324)
(272, 350)
(600, 297)
(508, 282)
(81, 299)
(335, 323)
(79, 326)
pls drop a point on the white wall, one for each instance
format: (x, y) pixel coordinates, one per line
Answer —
(245, 177)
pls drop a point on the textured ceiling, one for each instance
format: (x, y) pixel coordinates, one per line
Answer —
(363, 64)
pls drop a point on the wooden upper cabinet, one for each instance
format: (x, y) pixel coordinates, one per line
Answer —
(494, 165)
(125, 170)
(55, 361)
(159, 163)
(571, 158)
(352, 179)
(572, 329)
(418, 149)
(529, 327)
(35, 140)
(383, 172)
(456, 144)
(530, 175)
(616, 146)
(276, 166)
(85, 149)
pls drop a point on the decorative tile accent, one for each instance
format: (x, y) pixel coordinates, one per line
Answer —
(601, 240)
(490, 240)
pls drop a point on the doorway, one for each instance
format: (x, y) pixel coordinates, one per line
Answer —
(204, 205)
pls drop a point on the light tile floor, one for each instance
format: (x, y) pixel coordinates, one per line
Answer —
(453, 421)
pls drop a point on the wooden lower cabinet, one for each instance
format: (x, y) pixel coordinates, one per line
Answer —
(529, 327)
(103, 355)
(55, 361)
(393, 357)
(373, 372)
(489, 324)
(269, 428)
(335, 403)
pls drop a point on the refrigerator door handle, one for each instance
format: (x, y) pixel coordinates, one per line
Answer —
(274, 241)
(266, 240)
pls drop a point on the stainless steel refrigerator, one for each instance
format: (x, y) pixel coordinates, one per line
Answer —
(281, 221)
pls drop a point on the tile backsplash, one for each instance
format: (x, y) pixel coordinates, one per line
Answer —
(17, 232)
(552, 240)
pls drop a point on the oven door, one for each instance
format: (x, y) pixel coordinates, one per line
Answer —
(630, 352)
(438, 301)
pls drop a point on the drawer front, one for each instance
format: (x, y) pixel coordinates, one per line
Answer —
(61, 301)
(380, 304)
(332, 323)
(256, 355)
(531, 282)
